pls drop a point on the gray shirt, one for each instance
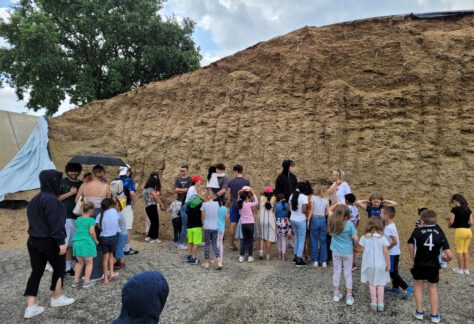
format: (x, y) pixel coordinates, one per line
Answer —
(210, 209)
(182, 183)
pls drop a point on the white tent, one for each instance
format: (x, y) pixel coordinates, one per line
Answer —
(23, 152)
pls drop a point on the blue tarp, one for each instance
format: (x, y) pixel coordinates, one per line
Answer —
(22, 172)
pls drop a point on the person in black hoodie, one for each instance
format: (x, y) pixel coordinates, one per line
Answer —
(46, 242)
(286, 180)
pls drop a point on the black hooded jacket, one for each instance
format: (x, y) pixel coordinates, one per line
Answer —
(286, 181)
(46, 214)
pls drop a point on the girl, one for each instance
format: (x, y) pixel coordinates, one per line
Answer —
(108, 225)
(299, 208)
(209, 214)
(222, 214)
(212, 181)
(318, 228)
(343, 235)
(84, 245)
(461, 219)
(374, 205)
(283, 226)
(151, 196)
(247, 200)
(375, 262)
(266, 224)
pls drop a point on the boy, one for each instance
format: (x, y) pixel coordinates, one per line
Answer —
(350, 200)
(425, 244)
(391, 233)
(194, 228)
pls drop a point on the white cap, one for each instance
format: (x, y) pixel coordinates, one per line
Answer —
(123, 170)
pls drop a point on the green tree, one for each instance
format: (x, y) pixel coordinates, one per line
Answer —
(91, 49)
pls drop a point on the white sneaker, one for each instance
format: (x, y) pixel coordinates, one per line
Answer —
(251, 259)
(182, 246)
(466, 272)
(336, 296)
(205, 265)
(325, 264)
(48, 267)
(33, 310)
(61, 301)
(154, 241)
(241, 259)
(147, 239)
(458, 271)
(315, 264)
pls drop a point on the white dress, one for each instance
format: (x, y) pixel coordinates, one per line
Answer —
(373, 260)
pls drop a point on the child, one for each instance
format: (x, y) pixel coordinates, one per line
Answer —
(343, 235)
(247, 200)
(174, 209)
(222, 214)
(418, 221)
(425, 244)
(84, 245)
(350, 200)
(266, 223)
(391, 234)
(209, 214)
(461, 220)
(122, 237)
(374, 205)
(375, 262)
(318, 228)
(194, 228)
(283, 225)
(299, 209)
(108, 224)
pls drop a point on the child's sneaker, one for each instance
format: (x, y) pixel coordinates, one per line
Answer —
(189, 258)
(260, 254)
(241, 259)
(88, 284)
(219, 266)
(267, 257)
(194, 261)
(419, 315)
(33, 310)
(61, 301)
(458, 271)
(315, 264)
(205, 265)
(75, 283)
(466, 272)
(406, 293)
(443, 264)
(349, 300)
(251, 259)
(373, 306)
(147, 239)
(182, 247)
(380, 307)
(325, 264)
(435, 318)
(336, 296)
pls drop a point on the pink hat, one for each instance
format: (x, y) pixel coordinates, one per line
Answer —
(268, 189)
(246, 188)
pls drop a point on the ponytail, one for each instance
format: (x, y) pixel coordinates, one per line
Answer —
(242, 197)
(268, 204)
(301, 187)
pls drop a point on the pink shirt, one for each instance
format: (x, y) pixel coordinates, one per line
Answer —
(246, 214)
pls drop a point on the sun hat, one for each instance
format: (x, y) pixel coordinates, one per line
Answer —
(123, 170)
(196, 178)
(267, 189)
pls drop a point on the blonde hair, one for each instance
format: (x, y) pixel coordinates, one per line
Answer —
(98, 171)
(374, 226)
(339, 174)
(87, 207)
(375, 195)
(338, 219)
(208, 195)
(318, 190)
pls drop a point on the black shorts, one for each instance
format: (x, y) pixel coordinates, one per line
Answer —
(430, 274)
(107, 243)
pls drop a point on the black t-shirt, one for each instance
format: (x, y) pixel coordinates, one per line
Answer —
(461, 217)
(428, 241)
(69, 202)
(182, 183)
(194, 216)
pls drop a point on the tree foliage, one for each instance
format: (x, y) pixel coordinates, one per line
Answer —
(91, 49)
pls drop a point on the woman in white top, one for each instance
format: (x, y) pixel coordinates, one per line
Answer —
(95, 190)
(299, 208)
(339, 189)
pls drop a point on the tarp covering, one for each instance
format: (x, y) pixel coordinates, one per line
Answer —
(442, 14)
(22, 172)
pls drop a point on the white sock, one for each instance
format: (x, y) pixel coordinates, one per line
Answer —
(127, 247)
(68, 265)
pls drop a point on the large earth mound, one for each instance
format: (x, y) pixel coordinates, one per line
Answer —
(389, 100)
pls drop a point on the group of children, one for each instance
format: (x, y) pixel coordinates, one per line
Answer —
(323, 232)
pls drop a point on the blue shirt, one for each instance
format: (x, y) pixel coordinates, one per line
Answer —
(374, 211)
(128, 185)
(221, 214)
(342, 243)
(281, 210)
(110, 223)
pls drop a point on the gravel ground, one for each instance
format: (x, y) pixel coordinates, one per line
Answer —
(265, 291)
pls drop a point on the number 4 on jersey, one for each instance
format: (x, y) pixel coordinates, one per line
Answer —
(429, 242)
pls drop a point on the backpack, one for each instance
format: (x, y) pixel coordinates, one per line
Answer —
(118, 192)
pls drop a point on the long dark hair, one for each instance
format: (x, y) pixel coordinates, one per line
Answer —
(300, 188)
(269, 196)
(153, 182)
(244, 195)
(461, 200)
(212, 169)
(105, 205)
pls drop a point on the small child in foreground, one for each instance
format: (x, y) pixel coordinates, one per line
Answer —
(425, 244)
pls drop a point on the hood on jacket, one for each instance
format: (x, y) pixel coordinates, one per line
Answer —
(50, 181)
(286, 166)
(143, 298)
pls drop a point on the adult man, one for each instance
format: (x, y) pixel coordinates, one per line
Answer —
(181, 185)
(69, 187)
(235, 185)
(286, 180)
(223, 181)
(130, 192)
(46, 242)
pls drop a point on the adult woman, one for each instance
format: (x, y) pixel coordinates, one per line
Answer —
(151, 195)
(286, 180)
(299, 208)
(339, 189)
(461, 219)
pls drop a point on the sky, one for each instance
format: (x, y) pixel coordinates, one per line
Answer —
(224, 27)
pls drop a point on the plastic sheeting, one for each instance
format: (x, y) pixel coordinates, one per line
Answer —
(442, 14)
(22, 172)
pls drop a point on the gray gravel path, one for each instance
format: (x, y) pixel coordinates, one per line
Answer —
(262, 292)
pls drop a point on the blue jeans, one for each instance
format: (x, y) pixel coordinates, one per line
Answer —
(184, 219)
(300, 235)
(318, 232)
(121, 239)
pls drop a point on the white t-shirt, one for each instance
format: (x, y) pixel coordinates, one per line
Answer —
(191, 192)
(297, 215)
(391, 230)
(341, 191)
(213, 182)
(319, 206)
(210, 210)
